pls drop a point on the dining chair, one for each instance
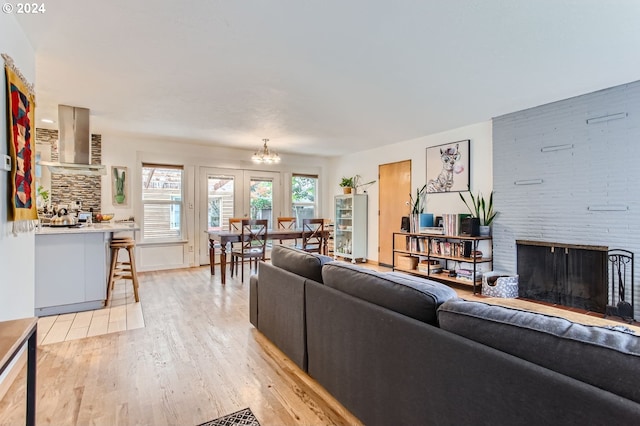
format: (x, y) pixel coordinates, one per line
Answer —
(253, 244)
(287, 222)
(235, 223)
(312, 235)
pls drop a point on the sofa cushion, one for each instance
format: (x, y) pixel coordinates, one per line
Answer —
(604, 357)
(308, 265)
(414, 297)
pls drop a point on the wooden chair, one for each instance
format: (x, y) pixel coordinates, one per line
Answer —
(235, 223)
(253, 244)
(312, 235)
(287, 222)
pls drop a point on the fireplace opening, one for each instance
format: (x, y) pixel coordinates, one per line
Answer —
(563, 274)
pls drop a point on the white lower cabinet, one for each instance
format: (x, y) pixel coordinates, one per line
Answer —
(71, 272)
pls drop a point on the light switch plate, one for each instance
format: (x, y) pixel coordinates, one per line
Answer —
(6, 162)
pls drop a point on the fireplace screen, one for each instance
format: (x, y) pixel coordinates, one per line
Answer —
(563, 274)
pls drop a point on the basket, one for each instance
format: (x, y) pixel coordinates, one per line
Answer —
(496, 284)
(407, 262)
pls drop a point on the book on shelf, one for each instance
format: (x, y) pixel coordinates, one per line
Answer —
(467, 275)
(448, 248)
(416, 244)
(451, 223)
(432, 230)
(432, 268)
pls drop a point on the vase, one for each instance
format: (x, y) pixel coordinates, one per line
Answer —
(414, 223)
(346, 190)
(485, 231)
(119, 198)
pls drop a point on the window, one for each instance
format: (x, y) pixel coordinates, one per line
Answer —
(304, 190)
(162, 188)
(220, 196)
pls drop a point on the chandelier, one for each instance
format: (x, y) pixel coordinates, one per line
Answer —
(264, 155)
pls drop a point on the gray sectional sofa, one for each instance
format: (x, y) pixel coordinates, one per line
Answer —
(401, 350)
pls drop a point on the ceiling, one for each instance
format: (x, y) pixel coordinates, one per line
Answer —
(321, 77)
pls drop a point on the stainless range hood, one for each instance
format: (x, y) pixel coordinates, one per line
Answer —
(74, 144)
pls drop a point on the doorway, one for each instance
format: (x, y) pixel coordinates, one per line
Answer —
(227, 193)
(395, 187)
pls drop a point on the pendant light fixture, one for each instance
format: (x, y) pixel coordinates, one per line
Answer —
(264, 155)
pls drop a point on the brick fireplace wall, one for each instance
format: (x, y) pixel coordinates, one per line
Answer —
(66, 189)
(568, 172)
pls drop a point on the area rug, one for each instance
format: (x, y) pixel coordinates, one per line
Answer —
(243, 417)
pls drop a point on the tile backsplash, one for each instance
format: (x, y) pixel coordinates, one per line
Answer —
(67, 189)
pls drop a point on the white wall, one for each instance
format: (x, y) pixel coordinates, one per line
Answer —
(16, 253)
(365, 164)
(133, 151)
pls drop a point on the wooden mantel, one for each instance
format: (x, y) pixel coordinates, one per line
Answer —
(561, 245)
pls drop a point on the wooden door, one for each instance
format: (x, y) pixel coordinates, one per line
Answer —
(395, 186)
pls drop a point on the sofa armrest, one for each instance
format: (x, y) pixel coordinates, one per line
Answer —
(280, 308)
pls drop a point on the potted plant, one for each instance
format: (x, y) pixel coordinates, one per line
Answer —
(417, 210)
(482, 210)
(418, 203)
(350, 184)
(43, 194)
(347, 184)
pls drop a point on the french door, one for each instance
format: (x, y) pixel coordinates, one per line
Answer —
(227, 193)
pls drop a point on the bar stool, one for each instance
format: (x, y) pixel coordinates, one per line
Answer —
(122, 270)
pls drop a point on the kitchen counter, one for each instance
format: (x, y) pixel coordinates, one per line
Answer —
(72, 267)
(96, 227)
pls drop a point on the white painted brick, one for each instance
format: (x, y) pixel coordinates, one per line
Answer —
(602, 168)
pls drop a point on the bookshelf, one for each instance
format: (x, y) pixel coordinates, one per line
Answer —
(437, 256)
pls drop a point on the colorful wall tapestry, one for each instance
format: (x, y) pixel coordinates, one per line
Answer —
(21, 138)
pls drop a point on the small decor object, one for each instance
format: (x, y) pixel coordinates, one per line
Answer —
(351, 184)
(481, 209)
(104, 217)
(426, 220)
(448, 167)
(119, 176)
(23, 209)
(417, 205)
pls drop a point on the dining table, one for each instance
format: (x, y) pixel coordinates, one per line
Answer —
(220, 239)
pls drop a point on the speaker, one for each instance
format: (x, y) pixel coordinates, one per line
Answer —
(405, 224)
(466, 248)
(470, 226)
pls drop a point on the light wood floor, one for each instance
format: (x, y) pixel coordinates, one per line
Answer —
(196, 359)
(123, 313)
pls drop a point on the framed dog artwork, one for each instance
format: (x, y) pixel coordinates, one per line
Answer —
(448, 167)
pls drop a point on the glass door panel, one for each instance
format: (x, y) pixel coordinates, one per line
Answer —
(220, 192)
(263, 195)
(220, 201)
(261, 200)
(226, 193)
